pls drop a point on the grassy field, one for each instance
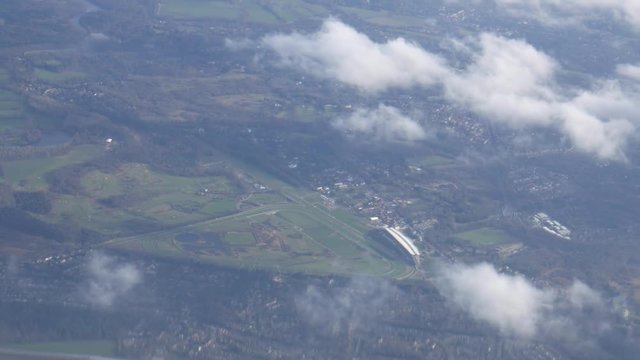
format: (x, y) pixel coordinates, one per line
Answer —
(29, 174)
(57, 77)
(289, 237)
(83, 212)
(294, 10)
(4, 76)
(249, 10)
(198, 218)
(113, 202)
(256, 11)
(95, 348)
(431, 161)
(484, 237)
(240, 238)
(141, 195)
(322, 234)
(383, 17)
(10, 109)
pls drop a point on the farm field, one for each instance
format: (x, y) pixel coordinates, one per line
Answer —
(248, 11)
(383, 18)
(133, 192)
(262, 12)
(290, 231)
(29, 174)
(57, 77)
(431, 161)
(50, 349)
(283, 237)
(484, 237)
(209, 218)
(10, 108)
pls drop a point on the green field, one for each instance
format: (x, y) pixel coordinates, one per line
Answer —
(289, 237)
(383, 17)
(56, 77)
(241, 238)
(208, 219)
(484, 237)
(29, 174)
(113, 202)
(256, 11)
(95, 348)
(133, 192)
(10, 109)
(294, 10)
(4, 76)
(431, 161)
(241, 11)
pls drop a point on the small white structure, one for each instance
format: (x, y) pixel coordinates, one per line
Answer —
(405, 242)
(553, 227)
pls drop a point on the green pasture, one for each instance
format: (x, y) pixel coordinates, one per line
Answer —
(118, 201)
(310, 242)
(484, 237)
(383, 17)
(57, 76)
(4, 76)
(322, 233)
(11, 109)
(287, 229)
(431, 161)
(140, 194)
(294, 10)
(267, 198)
(241, 238)
(95, 348)
(250, 11)
(256, 11)
(29, 174)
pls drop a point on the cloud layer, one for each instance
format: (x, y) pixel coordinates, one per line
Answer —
(571, 11)
(631, 71)
(506, 81)
(339, 52)
(352, 307)
(384, 123)
(108, 279)
(516, 307)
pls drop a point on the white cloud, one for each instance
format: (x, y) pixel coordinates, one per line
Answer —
(582, 296)
(239, 44)
(572, 11)
(506, 81)
(516, 307)
(108, 279)
(346, 308)
(630, 71)
(338, 51)
(511, 82)
(384, 123)
(510, 303)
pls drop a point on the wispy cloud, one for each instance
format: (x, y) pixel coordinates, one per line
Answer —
(108, 279)
(338, 51)
(563, 12)
(352, 307)
(631, 71)
(507, 81)
(517, 308)
(384, 123)
(239, 44)
(510, 82)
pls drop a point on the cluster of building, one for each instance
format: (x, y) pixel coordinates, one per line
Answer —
(553, 227)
